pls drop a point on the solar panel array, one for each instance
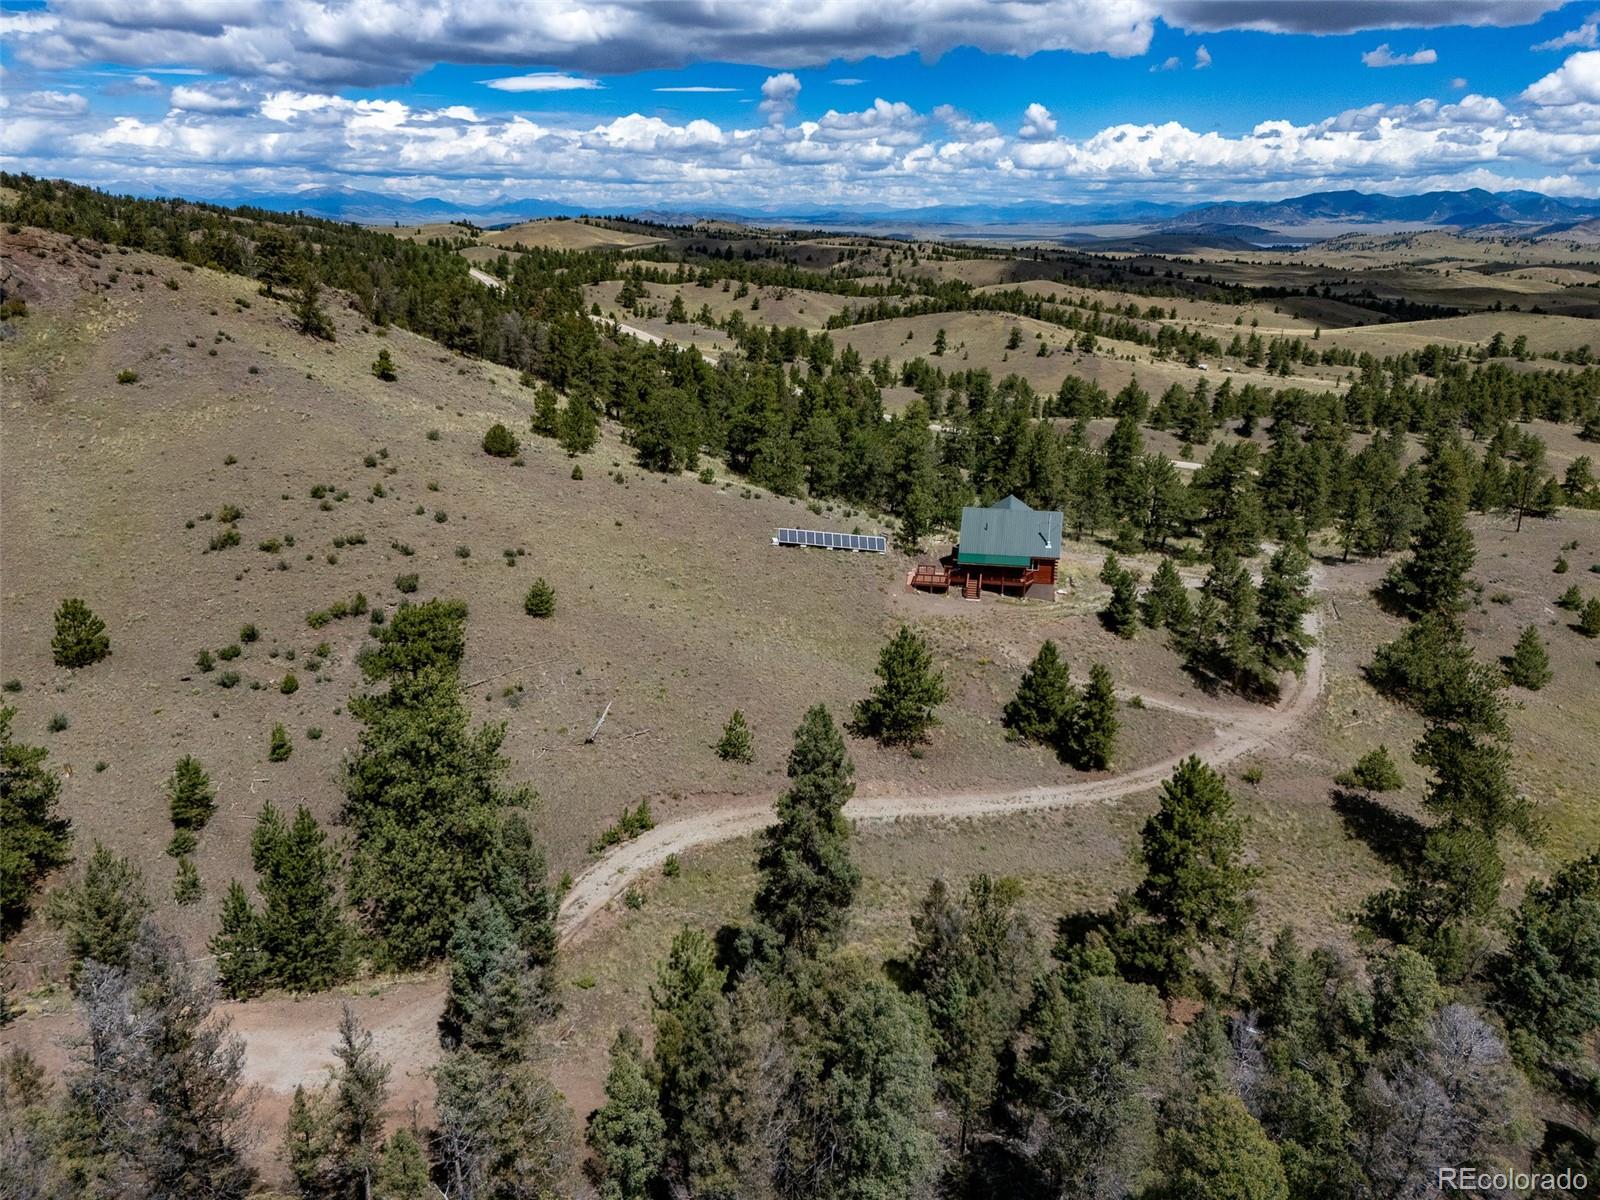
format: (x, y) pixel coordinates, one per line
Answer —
(874, 542)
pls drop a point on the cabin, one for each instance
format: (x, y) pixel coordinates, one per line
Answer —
(1007, 548)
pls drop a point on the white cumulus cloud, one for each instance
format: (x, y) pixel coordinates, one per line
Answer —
(1037, 122)
(1385, 57)
(543, 81)
(1576, 81)
(778, 95)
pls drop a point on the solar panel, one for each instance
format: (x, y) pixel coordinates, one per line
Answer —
(872, 543)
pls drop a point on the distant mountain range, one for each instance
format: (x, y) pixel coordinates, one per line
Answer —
(1248, 220)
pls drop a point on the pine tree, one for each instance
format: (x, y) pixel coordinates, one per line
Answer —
(34, 839)
(1547, 982)
(736, 744)
(403, 1169)
(172, 1074)
(1166, 602)
(517, 877)
(383, 367)
(186, 886)
(807, 879)
(546, 408)
(80, 638)
(580, 426)
(101, 911)
(301, 931)
(692, 1049)
(310, 319)
(626, 1133)
(281, 747)
(1217, 1151)
(355, 1110)
(1196, 889)
(899, 712)
(1529, 665)
(1434, 578)
(190, 797)
(1284, 599)
(1044, 700)
(1121, 613)
(242, 965)
(504, 1130)
(1089, 741)
(1589, 622)
(540, 600)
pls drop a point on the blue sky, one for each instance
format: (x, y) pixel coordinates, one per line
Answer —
(632, 102)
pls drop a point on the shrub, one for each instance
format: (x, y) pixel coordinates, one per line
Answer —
(463, 551)
(1571, 599)
(1589, 623)
(204, 662)
(80, 638)
(577, 472)
(281, 747)
(433, 435)
(13, 685)
(290, 684)
(540, 600)
(630, 825)
(229, 652)
(383, 367)
(500, 442)
(406, 584)
(59, 722)
(126, 376)
(314, 733)
(228, 679)
(248, 634)
(222, 541)
(1374, 771)
(182, 843)
(671, 867)
(229, 513)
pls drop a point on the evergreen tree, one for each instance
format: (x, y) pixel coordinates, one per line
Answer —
(580, 426)
(34, 838)
(355, 1110)
(1121, 613)
(736, 744)
(1589, 622)
(279, 747)
(1547, 982)
(190, 797)
(1529, 665)
(275, 258)
(383, 367)
(186, 886)
(300, 930)
(101, 911)
(1443, 900)
(806, 877)
(495, 998)
(692, 1049)
(1090, 739)
(403, 1169)
(861, 1098)
(309, 317)
(626, 1133)
(161, 1092)
(540, 600)
(242, 965)
(1284, 601)
(1218, 1151)
(1434, 578)
(546, 410)
(1044, 700)
(517, 877)
(973, 963)
(1166, 602)
(504, 1130)
(80, 638)
(899, 712)
(1226, 494)
(423, 791)
(1195, 890)
(1093, 1055)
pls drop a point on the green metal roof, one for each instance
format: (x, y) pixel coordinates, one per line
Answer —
(1008, 534)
